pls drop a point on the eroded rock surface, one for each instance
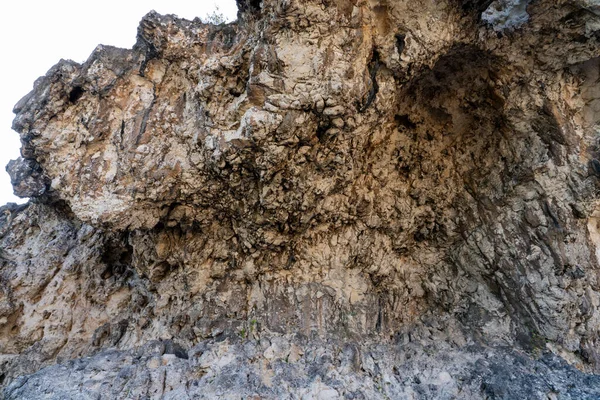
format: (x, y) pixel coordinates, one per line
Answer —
(342, 199)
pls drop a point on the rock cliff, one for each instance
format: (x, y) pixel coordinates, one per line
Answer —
(362, 199)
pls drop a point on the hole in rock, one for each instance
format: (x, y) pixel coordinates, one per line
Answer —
(76, 94)
(404, 120)
(475, 5)
(255, 4)
(322, 129)
(374, 65)
(249, 5)
(117, 257)
(176, 349)
(400, 43)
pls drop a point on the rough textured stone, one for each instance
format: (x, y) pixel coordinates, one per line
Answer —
(333, 370)
(333, 199)
(26, 178)
(506, 14)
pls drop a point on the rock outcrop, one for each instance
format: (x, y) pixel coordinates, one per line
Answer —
(324, 199)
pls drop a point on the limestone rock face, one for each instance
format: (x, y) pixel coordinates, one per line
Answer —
(324, 199)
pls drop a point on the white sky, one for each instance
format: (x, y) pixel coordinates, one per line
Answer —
(35, 34)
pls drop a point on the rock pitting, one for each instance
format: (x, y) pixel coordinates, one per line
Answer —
(323, 199)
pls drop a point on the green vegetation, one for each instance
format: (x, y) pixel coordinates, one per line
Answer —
(216, 17)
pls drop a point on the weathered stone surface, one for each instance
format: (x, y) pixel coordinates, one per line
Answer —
(506, 14)
(240, 368)
(341, 200)
(27, 178)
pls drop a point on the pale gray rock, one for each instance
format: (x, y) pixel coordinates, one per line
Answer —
(591, 5)
(506, 14)
(241, 368)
